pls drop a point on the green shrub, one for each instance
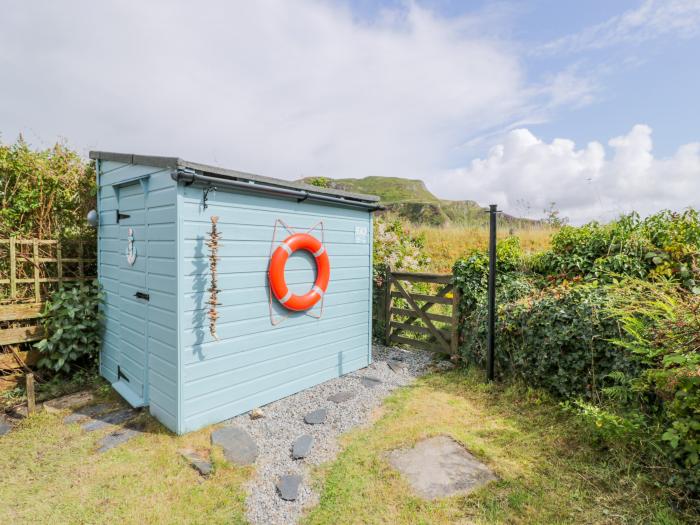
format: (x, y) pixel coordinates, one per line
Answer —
(558, 339)
(664, 245)
(45, 193)
(72, 322)
(661, 324)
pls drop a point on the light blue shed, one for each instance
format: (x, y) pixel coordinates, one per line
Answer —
(153, 264)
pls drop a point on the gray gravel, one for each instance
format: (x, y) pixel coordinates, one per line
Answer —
(283, 423)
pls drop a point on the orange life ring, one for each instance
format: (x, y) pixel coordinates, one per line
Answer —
(299, 241)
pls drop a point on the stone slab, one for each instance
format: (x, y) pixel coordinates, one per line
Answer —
(317, 417)
(341, 397)
(239, 447)
(288, 486)
(439, 467)
(396, 366)
(197, 461)
(111, 418)
(68, 402)
(89, 411)
(118, 437)
(369, 381)
(5, 427)
(302, 446)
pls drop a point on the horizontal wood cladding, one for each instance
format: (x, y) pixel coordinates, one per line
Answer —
(255, 361)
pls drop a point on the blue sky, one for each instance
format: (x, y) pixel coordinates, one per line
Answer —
(590, 104)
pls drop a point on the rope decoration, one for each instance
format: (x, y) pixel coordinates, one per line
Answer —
(213, 244)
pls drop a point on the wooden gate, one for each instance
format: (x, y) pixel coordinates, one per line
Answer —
(408, 318)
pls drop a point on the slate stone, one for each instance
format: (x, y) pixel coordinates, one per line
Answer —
(111, 418)
(316, 417)
(88, 412)
(396, 366)
(288, 487)
(341, 397)
(4, 427)
(116, 438)
(239, 447)
(302, 446)
(69, 401)
(439, 467)
(370, 382)
(197, 461)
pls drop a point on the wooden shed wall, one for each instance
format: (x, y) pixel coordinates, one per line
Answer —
(126, 320)
(255, 362)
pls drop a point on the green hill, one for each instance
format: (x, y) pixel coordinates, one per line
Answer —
(410, 199)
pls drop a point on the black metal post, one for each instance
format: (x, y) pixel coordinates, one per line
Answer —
(492, 293)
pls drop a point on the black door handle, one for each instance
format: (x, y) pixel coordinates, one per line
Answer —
(142, 295)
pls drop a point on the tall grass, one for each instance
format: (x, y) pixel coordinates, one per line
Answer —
(445, 245)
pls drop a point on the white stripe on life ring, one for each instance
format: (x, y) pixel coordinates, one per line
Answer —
(286, 248)
(317, 290)
(286, 297)
(319, 252)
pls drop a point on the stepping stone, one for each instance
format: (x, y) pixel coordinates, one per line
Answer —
(396, 366)
(316, 417)
(112, 418)
(69, 401)
(341, 397)
(302, 446)
(5, 427)
(369, 381)
(197, 461)
(89, 411)
(118, 437)
(439, 467)
(239, 447)
(288, 487)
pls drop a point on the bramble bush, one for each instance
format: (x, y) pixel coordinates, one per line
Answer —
(608, 320)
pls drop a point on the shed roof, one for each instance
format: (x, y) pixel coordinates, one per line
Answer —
(177, 163)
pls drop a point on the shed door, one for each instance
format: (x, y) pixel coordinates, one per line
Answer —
(133, 294)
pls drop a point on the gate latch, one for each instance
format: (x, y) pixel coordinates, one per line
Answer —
(142, 295)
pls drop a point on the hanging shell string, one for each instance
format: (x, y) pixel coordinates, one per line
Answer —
(213, 244)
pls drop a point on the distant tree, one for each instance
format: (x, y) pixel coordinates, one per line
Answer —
(321, 182)
(553, 217)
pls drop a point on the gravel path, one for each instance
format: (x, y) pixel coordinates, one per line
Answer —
(283, 423)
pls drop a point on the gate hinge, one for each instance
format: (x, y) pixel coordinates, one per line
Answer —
(121, 216)
(120, 374)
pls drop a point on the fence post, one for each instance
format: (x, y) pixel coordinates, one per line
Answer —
(491, 293)
(454, 337)
(31, 398)
(387, 306)
(59, 263)
(37, 285)
(13, 269)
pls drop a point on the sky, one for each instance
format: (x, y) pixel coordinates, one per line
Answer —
(594, 105)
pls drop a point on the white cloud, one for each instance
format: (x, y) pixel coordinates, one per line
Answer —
(524, 175)
(652, 19)
(274, 87)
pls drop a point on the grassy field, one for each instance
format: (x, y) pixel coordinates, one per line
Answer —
(548, 472)
(446, 245)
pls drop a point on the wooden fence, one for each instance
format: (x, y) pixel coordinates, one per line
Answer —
(30, 269)
(407, 312)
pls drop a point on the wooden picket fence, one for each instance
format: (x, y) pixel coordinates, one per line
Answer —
(412, 323)
(30, 269)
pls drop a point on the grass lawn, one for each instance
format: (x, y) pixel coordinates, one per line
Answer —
(50, 473)
(547, 473)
